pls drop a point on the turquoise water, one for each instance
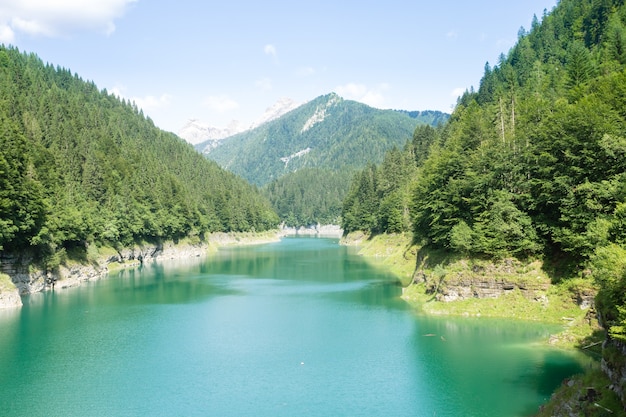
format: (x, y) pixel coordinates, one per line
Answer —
(303, 327)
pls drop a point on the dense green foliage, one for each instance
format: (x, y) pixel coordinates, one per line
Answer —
(79, 165)
(309, 196)
(380, 197)
(328, 132)
(305, 158)
(534, 162)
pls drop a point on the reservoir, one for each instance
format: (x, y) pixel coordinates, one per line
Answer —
(301, 327)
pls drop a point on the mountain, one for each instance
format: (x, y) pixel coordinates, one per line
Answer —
(281, 107)
(79, 166)
(196, 131)
(327, 132)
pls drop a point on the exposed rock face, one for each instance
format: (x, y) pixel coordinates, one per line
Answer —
(195, 131)
(485, 287)
(614, 366)
(283, 106)
(28, 280)
(488, 280)
(9, 299)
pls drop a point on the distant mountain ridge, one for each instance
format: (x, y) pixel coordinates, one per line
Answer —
(327, 132)
(196, 131)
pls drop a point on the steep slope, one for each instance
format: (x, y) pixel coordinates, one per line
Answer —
(531, 166)
(79, 166)
(328, 132)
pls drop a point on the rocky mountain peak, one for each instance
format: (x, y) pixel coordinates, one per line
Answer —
(281, 107)
(196, 131)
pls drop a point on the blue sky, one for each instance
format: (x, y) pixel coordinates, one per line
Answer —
(219, 61)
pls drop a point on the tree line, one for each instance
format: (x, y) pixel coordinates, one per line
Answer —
(80, 166)
(531, 164)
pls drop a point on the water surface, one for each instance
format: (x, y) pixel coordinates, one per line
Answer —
(302, 327)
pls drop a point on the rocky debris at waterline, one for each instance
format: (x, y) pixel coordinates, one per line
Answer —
(28, 281)
(317, 230)
(614, 366)
(10, 299)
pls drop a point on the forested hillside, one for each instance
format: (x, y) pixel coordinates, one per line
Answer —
(328, 132)
(305, 159)
(532, 164)
(309, 196)
(79, 165)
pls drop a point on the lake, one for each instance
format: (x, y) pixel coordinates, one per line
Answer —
(302, 327)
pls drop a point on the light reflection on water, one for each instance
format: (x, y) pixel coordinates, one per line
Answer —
(300, 327)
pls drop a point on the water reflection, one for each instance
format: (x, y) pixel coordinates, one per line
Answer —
(300, 327)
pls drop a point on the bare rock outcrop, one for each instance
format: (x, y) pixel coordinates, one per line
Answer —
(28, 279)
(485, 280)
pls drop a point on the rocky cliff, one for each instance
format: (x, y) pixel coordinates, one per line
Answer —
(614, 366)
(28, 279)
(25, 278)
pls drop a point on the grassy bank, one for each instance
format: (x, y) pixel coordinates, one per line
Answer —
(556, 304)
(395, 252)
(5, 283)
(586, 394)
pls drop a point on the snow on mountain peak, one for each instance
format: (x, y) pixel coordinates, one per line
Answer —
(196, 131)
(281, 107)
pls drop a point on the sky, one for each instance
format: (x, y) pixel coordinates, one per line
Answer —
(232, 59)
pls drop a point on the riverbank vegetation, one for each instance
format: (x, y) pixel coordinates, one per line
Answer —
(527, 294)
(531, 167)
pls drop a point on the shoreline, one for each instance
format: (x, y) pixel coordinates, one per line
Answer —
(506, 295)
(319, 230)
(18, 277)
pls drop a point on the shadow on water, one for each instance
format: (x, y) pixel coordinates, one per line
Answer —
(555, 369)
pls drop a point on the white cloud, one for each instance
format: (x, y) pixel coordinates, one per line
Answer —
(270, 49)
(451, 35)
(457, 92)
(221, 103)
(360, 92)
(264, 84)
(6, 34)
(59, 17)
(117, 91)
(147, 103)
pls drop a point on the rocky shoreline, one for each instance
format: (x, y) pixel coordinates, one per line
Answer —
(28, 280)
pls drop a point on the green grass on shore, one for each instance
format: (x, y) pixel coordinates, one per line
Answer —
(556, 305)
(5, 283)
